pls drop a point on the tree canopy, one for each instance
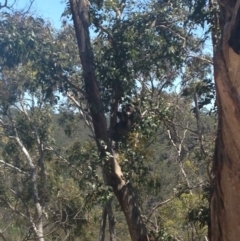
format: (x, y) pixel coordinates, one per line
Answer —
(111, 119)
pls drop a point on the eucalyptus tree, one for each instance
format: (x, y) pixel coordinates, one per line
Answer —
(139, 51)
(225, 197)
(34, 187)
(223, 19)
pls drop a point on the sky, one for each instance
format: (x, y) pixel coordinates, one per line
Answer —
(50, 10)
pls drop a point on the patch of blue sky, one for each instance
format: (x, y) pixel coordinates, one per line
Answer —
(49, 10)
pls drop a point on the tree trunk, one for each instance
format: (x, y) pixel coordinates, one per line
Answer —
(37, 223)
(101, 236)
(111, 221)
(107, 212)
(112, 171)
(225, 198)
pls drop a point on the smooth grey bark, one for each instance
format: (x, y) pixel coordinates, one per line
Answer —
(37, 223)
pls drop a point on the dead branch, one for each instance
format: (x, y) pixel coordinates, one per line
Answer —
(12, 167)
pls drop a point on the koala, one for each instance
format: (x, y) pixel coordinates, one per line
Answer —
(126, 121)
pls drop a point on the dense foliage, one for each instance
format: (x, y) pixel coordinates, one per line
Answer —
(150, 54)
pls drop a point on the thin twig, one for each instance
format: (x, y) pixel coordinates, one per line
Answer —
(87, 118)
(158, 206)
(62, 158)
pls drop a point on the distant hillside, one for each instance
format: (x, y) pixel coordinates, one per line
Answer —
(63, 137)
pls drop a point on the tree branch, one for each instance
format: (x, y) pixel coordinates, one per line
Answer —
(76, 88)
(87, 118)
(119, 10)
(203, 59)
(38, 226)
(62, 158)
(177, 34)
(13, 167)
(158, 206)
